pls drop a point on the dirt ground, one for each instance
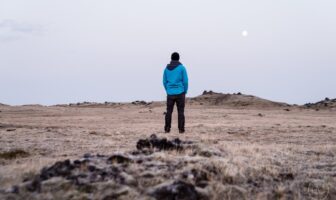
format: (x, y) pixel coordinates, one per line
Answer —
(295, 148)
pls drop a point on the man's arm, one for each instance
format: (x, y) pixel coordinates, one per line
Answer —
(164, 80)
(185, 80)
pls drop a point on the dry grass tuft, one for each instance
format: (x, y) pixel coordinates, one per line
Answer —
(13, 154)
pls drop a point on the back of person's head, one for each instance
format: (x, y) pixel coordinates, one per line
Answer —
(175, 56)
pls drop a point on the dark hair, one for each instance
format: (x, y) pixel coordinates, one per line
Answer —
(175, 56)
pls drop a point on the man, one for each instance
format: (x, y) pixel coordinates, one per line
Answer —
(175, 82)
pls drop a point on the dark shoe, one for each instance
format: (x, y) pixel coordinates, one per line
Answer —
(167, 130)
(181, 131)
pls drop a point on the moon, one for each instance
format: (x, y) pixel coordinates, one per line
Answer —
(244, 33)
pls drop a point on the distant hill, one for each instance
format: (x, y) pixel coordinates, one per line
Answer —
(324, 104)
(32, 105)
(235, 100)
(1, 104)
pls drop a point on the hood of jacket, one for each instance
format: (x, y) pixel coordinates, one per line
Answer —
(173, 64)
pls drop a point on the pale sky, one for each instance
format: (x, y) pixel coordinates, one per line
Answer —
(66, 51)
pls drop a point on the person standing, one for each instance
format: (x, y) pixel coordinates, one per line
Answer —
(175, 82)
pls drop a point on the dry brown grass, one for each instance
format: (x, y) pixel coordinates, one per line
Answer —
(279, 155)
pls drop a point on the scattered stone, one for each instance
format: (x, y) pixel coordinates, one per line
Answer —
(34, 185)
(119, 159)
(260, 115)
(287, 109)
(11, 129)
(161, 144)
(14, 189)
(61, 168)
(210, 92)
(177, 190)
(93, 133)
(87, 155)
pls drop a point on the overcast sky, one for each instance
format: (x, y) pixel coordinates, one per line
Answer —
(107, 50)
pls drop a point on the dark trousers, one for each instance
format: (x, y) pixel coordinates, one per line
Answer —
(180, 103)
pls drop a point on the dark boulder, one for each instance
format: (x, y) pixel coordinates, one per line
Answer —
(210, 92)
(62, 168)
(178, 190)
(34, 185)
(159, 143)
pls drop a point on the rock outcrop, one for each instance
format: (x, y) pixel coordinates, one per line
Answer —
(236, 100)
(327, 103)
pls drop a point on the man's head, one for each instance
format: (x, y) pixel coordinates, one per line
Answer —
(175, 56)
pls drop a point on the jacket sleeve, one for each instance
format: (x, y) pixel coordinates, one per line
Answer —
(164, 80)
(185, 80)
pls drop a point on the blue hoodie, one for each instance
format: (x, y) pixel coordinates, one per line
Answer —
(175, 78)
